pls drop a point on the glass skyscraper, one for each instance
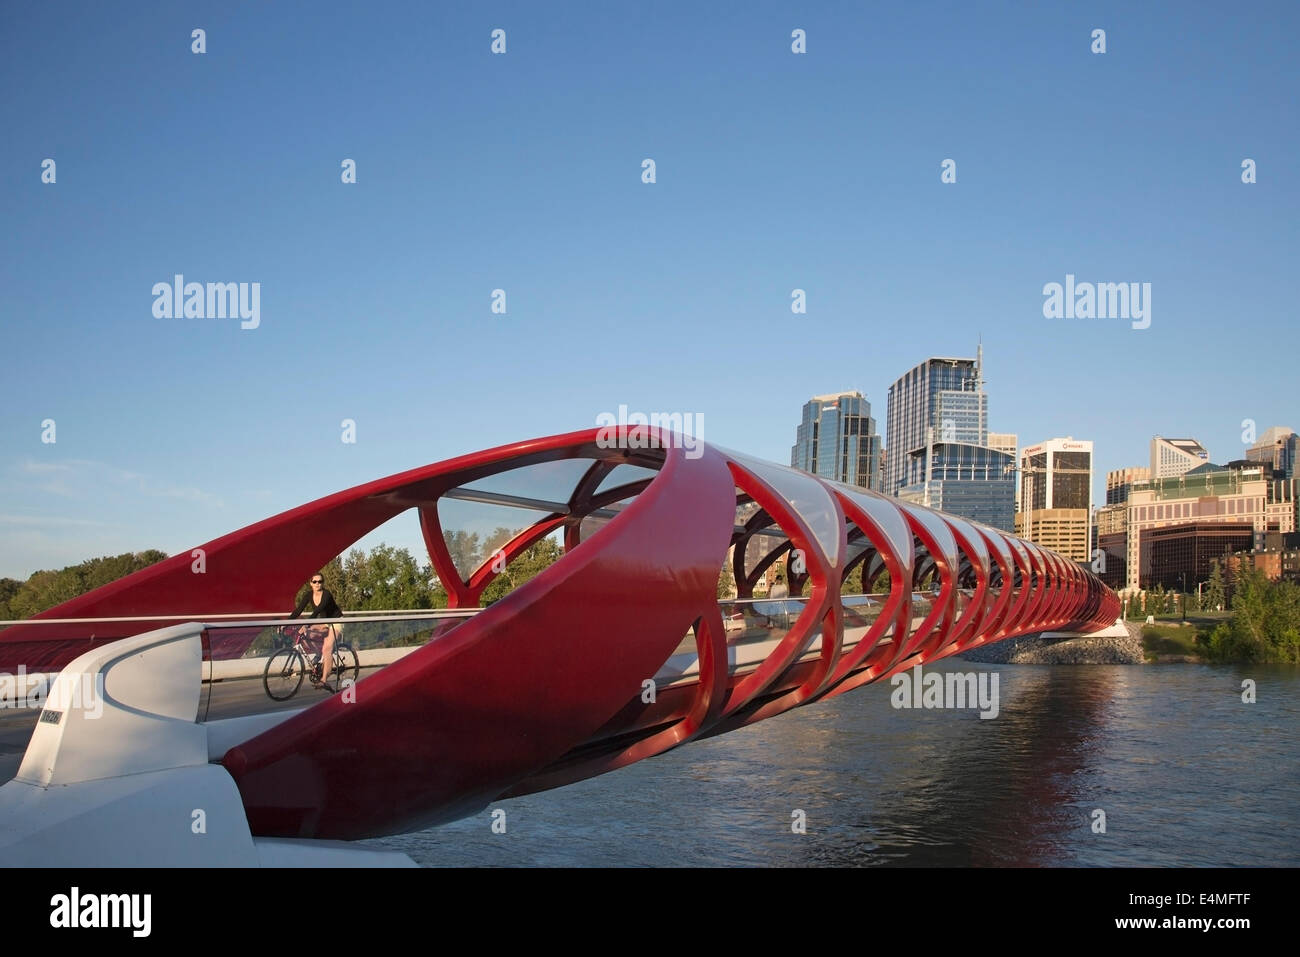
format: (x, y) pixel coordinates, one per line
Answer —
(943, 395)
(837, 439)
(938, 454)
(968, 480)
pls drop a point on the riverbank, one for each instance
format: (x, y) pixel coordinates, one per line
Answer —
(1033, 650)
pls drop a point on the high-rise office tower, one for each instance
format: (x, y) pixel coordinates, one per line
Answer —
(940, 400)
(937, 443)
(1119, 482)
(837, 439)
(1170, 457)
(1056, 496)
(1280, 448)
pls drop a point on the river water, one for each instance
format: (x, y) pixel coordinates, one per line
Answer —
(1184, 771)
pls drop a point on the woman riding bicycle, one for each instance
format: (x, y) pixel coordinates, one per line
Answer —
(323, 605)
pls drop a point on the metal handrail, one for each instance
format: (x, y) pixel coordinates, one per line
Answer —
(432, 614)
(265, 619)
(268, 619)
(877, 596)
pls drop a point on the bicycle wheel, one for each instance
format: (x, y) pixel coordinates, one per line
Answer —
(284, 673)
(346, 665)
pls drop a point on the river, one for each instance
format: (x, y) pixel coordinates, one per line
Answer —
(1185, 772)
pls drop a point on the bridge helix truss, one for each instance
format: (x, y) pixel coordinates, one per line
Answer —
(617, 651)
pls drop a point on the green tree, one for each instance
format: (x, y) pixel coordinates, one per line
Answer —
(43, 590)
(394, 580)
(500, 537)
(1214, 590)
(343, 576)
(102, 571)
(466, 552)
(1265, 622)
(529, 563)
(47, 588)
(882, 584)
(385, 579)
(1156, 600)
(726, 581)
(8, 588)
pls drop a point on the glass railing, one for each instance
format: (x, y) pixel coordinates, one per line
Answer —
(750, 620)
(250, 667)
(860, 613)
(922, 605)
(754, 626)
(254, 667)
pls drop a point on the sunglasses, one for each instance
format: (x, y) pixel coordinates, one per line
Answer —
(318, 581)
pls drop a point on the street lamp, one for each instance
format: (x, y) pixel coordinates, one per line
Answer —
(1182, 577)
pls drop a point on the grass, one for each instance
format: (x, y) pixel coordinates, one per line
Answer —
(1210, 618)
(1162, 640)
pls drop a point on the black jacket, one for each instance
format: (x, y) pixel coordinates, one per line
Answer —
(328, 607)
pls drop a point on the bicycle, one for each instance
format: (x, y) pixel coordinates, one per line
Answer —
(288, 665)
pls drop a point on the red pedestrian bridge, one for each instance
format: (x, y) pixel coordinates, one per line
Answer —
(618, 651)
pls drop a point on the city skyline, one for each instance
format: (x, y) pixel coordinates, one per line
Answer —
(913, 182)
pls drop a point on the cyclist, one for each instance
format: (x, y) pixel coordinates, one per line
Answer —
(322, 605)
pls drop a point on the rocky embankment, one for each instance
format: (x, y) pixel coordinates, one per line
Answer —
(1032, 650)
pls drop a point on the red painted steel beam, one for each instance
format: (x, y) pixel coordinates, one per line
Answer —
(547, 686)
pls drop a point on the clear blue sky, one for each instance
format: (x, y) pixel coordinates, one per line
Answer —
(775, 171)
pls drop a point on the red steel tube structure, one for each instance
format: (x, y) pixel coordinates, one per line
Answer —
(548, 685)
